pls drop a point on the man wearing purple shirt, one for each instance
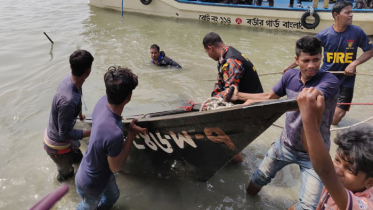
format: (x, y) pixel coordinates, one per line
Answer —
(61, 140)
(292, 147)
(108, 148)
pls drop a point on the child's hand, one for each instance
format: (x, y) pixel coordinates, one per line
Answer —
(311, 104)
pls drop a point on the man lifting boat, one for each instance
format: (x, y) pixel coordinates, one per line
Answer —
(107, 152)
(234, 69)
(61, 140)
(159, 58)
(292, 147)
(340, 42)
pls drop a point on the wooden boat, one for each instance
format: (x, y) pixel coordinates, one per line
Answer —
(277, 17)
(194, 145)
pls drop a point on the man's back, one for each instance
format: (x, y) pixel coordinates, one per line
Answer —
(235, 69)
(106, 140)
(249, 81)
(166, 61)
(66, 106)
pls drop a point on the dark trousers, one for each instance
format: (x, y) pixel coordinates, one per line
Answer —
(65, 161)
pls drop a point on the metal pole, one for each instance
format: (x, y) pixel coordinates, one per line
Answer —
(48, 37)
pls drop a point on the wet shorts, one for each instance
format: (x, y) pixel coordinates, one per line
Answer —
(345, 96)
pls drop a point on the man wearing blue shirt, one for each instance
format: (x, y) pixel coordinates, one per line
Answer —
(291, 148)
(340, 42)
(61, 140)
(108, 148)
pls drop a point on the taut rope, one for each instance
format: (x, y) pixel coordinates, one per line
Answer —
(332, 72)
(218, 103)
(336, 129)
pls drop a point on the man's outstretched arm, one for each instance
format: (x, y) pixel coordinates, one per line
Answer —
(253, 97)
(174, 64)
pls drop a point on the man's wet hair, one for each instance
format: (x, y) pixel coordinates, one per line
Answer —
(211, 39)
(80, 62)
(119, 83)
(339, 6)
(154, 46)
(308, 44)
(355, 146)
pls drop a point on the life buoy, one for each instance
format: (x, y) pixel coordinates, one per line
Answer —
(308, 25)
(146, 2)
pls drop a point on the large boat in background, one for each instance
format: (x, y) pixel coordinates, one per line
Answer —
(277, 17)
(194, 145)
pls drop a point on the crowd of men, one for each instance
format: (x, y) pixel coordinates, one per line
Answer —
(363, 4)
(346, 182)
(360, 4)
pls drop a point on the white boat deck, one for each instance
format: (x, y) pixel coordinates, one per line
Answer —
(278, 4)
(280, 16)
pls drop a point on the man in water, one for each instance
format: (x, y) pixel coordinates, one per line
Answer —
(340, 42)
(159, 58)
(61, 140)
(107, 152)
(234, 70)
(292, 145)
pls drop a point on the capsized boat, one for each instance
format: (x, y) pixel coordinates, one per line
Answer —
(194, 145)
(277, 17)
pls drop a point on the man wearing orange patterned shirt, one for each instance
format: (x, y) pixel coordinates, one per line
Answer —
(234, 68)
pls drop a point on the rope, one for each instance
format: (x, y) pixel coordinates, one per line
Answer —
(311, 9)
(218, 103)
(215, 103)
(353, 125)
(335, 129)
(332, 72)
(265, 74)
(189, 108)
(357, 73)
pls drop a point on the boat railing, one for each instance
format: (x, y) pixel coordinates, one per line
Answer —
(279, 5)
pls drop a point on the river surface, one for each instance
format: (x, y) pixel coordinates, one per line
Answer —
(31, 69)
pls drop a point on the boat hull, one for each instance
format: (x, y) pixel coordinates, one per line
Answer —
(231, 14)
(195, 145)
